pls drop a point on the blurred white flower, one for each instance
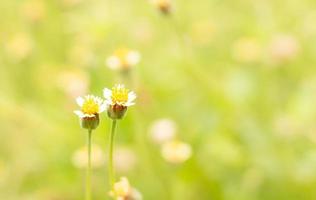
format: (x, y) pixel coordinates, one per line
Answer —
(73, 83)
(284, 48)
(176, 151)
(80, 158)
(162, 130)
(246, 50)
(122, 190)
(123, 59)
(125, 159)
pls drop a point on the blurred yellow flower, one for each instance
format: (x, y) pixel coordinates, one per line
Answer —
(202, 32)
(162, 130)
(123, 59)
(163, 5)
(33, 10)
(246, 50)
(19, 46)
(123, 191)
(176, 151)
(80, 159)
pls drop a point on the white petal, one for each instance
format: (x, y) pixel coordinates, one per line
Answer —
(79, 113)
(80, 101)
(131, 96)
(129, 104)
(107, 93)
(98, 100)
(103, 107)
(108, 102)
(120, 86)
(89, 115)
(113, 62)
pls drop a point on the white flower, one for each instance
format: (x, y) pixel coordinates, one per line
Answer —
(123, 59)
(73, 83)
(119, 95)
(125, 159)
(80, 159)
(122, 190)
(162, 130)
(176, 151)
(90, 106)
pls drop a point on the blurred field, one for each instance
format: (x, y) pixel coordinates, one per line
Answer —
(235, 80)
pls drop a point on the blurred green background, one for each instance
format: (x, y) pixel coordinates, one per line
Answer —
(236, 77)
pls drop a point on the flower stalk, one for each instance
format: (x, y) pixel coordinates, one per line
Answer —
(90, 108)
(111, 164)
(88, 172)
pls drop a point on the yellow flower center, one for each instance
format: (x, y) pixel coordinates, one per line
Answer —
(121, 54)
(90, 107)
(163, 3)
(119, 95)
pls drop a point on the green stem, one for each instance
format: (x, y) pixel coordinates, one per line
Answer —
(88, 172)
(111, 169)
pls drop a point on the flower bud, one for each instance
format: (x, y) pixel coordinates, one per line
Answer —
(90, 123)
(163, 5)
(116, 111)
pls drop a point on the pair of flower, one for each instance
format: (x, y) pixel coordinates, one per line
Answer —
(115, 102)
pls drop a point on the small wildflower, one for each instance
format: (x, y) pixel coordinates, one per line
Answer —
(80, 159)
(123, 191)
(118, 99)
(19, 47)
(123, 59)
(91, 107)
(203, 32)
(125, 159)
(33, 10)
(246, 50)
(176, 151)
(163, 5)
(73, 83)
(162, 130)
(284, 48)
